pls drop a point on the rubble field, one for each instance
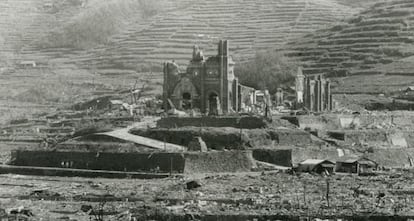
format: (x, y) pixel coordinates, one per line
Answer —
(236, 196)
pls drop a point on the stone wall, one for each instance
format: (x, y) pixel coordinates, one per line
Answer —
(131, 162)
(247, 122)
(399, 119)
(359, 136)
(228, 137)
(292, 137)
(274, 156)
(159, 162)
(219, 161)
(215, 138)
(393, 158)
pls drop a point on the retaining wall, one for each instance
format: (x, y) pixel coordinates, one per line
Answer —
(357, 136)
(160, 162)
(228, 137)
(215, 138)
(216, 162)
(274, 156)
(401, 119)
(396, 157)
(387, 138)
(157, 162)
(247, 122)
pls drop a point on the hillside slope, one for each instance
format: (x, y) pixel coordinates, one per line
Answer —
(377, 41)
(249, 25)
(27, 26)
(24, 21)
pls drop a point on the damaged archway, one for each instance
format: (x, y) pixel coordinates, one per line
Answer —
(185, 94)
(213, 103)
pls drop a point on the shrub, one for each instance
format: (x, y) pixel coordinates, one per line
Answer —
(268, 70)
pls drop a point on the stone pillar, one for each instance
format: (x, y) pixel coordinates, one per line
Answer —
(239, 97)
(203, 96)
(331, 104)
(312, 95)
(328, 97)
(220, 48)
(225, 48)
(300, 87)
(307, 94)
(235, 93)
(323, 97)
(165, 87)
(221, 73)
(317, 95)
(224, 84)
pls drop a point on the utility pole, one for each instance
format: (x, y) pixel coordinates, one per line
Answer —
(171, 165)
(240, 125)
(304, 194)
(327, 191)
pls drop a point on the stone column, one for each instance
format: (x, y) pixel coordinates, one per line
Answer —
(317, 95)
(165, 87)
(235, 101)
(312, 95)
(222, 70)
(328, 97)
(323, 97)
(307, 97)
(203, 96)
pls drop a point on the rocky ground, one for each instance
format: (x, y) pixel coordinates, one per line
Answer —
(262, 193)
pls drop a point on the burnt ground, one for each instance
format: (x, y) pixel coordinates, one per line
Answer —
(262, 193)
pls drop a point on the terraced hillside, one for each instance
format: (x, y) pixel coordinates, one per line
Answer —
(249, 25)
(26, 26)
(376, 42)
(24, 21)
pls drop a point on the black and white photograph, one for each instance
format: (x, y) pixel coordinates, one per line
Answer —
(211, 110)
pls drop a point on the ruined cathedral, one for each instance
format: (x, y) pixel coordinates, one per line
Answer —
(208, 84)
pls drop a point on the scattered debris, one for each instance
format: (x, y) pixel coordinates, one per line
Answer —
(197, 144)
(192, 185)
(21, 211)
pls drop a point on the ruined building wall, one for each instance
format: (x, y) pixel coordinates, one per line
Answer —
(204, 80)
(317, 93)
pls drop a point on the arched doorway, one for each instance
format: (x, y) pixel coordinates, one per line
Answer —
(186, 101)
(185, 95)
(213, 104)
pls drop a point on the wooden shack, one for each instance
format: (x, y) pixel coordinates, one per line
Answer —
(316, 166)
(353, 164)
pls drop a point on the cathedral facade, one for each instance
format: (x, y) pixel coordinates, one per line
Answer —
(208, 84)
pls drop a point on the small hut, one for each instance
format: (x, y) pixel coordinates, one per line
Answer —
(316, 166)
(359, 165)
